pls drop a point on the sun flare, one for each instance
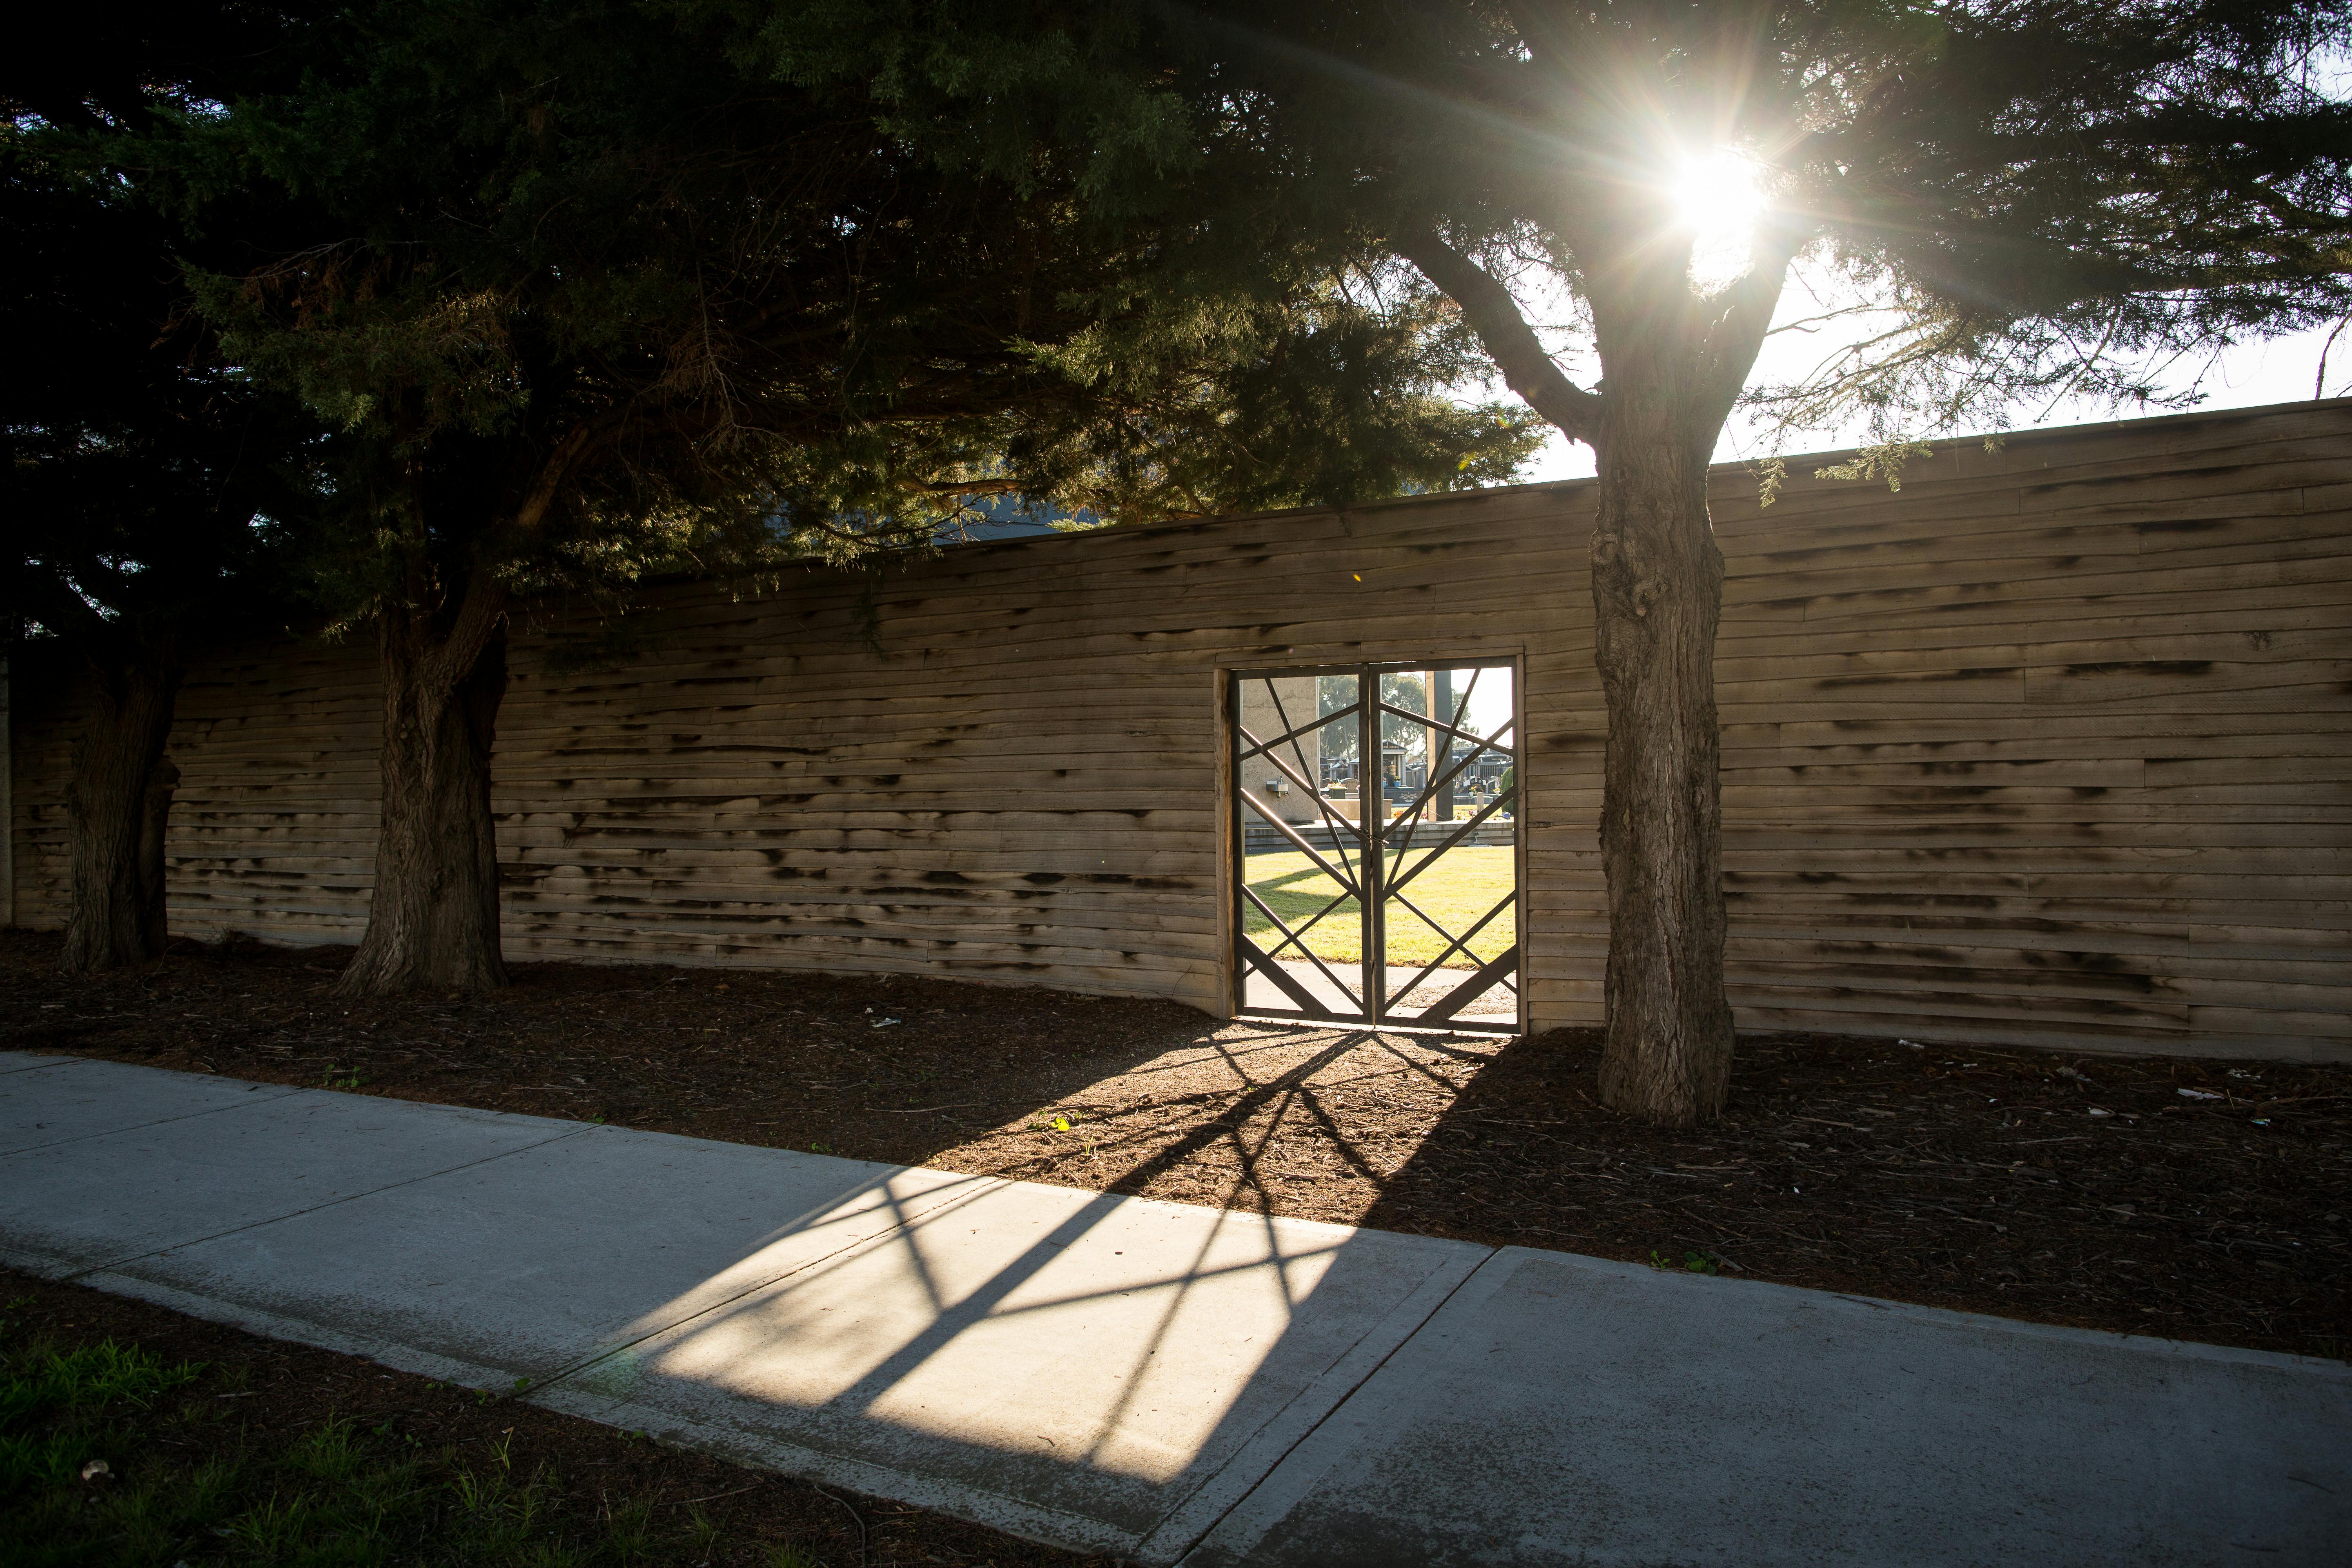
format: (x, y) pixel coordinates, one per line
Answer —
(1718, 192)
(1718, 199)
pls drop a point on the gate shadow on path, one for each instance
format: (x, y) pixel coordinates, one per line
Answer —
(1093, 1369)
(1104, 1372)
(1084, 1369)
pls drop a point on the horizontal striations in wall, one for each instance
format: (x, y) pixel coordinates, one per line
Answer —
(999, 763)
(2053, 746)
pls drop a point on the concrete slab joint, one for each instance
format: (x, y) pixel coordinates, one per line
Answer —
(1153, 1380)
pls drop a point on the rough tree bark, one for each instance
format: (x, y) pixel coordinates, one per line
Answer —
(433, 921)
(1657, 592)
(118, 802)
(1672, 361)
(1672, 364)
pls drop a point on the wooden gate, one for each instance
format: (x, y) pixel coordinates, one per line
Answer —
(1377, 844)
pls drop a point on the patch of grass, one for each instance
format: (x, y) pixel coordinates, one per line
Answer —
(60, 1410)
(1694, 1262)
(1456, 891)
(331, 1496)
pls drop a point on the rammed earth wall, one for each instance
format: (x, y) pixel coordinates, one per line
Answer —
(2053, 747)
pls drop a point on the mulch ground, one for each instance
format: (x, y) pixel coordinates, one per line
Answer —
(2198, 1200)
(696, 1509)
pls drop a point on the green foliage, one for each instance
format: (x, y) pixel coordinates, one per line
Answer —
(1332, 397)
(2037, 197)
(149, 486)
(335, 1494)
(594, 290)
(54, 1405)
(1232, 358)
(1692, 1263)
(2022, 200)
(2064, 199)
(1881, 461)
(1399, 688)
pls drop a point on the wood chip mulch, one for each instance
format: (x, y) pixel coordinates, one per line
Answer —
(2194, 1199)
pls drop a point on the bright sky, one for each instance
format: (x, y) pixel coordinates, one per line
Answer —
(1719, 200)
(1490, 700)
(1721, 205)
(2281, 371)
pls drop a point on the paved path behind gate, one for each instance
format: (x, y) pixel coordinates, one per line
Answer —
(1158, 1381)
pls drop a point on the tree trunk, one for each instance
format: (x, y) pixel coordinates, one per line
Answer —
(1673, 360)
(433, 923)
(1657, 590)
(118, 802)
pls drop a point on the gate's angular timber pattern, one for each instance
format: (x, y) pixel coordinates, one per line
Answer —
(1371, 839)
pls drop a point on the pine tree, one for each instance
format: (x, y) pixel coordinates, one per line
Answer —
(150, 492)
(584, 298)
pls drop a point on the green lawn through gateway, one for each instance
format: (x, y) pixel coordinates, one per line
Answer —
(1458, 889)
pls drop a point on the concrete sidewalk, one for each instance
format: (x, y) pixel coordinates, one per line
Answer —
(1157, 1380)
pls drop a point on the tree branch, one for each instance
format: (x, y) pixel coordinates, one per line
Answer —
(998, 487)
(1495, 316)
(548, 481)
(487, 598)
(478, 616)
(49, 596)
(1728, 348)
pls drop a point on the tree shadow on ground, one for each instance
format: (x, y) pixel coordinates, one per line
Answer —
(2159, 1195)
(2087, 1190)
(2194, 1198)
(882, 1068)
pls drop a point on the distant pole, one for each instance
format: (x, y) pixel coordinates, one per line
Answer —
(1440, 750)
